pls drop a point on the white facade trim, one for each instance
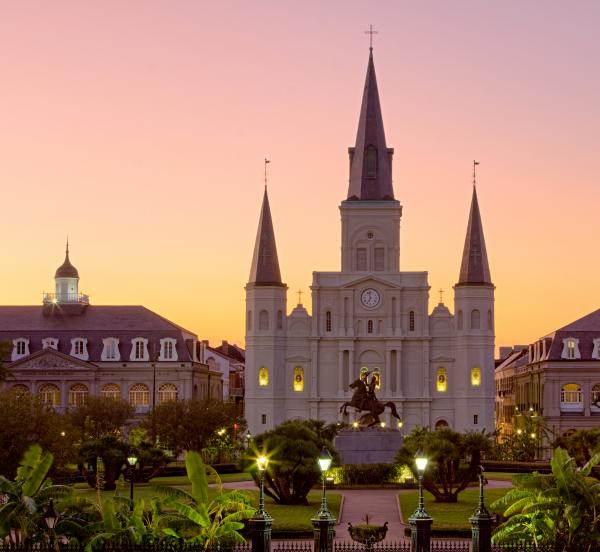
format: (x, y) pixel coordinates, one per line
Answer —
(134, 349)
(570, 348)
(168, 349)
(80, 342)
(110, 350)
(50, 343)
(20, 348)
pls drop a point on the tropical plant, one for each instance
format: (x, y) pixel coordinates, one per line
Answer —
(293, 449)
(26, 498)
(199, 520)
(561, 509)
(113, 453)
(581, 445)
(454, 459)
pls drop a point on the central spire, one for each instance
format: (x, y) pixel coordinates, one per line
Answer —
(370, 159)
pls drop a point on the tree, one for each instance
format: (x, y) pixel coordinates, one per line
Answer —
(190, 424)
(100, 416)
(581, 445)
(113, 453)
(5, 372)
(560, 510)
(454, 459)
(26, 498)
(293, 449)
(25, 420)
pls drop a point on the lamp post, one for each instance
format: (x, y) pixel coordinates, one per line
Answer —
(260, 523)
(481, 522)
(420, 521)
(323, 522)
(132, 461)
(50, 518)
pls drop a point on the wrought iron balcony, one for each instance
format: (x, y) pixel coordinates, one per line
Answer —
(62, 298)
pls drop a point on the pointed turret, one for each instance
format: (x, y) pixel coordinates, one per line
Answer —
(66, 270)
(370, 159)
(474, 269)
(265, 265)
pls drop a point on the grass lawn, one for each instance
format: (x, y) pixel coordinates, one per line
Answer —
(449, 515)
(499, 476)
(285, 518)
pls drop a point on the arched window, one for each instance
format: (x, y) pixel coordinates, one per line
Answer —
(167, 392)
(363, 371)
(139, 394)
(377, 375)
(595, 399)
(571, 398)
(78, 394)
(476, 376)
(460, 320)
(475, 319)
(370, 326)
(298, 379)
(19, 390)
(328, 321)
(263, 376)
(111, 391)
(279, 320)
(440, 424)
(249, 321)
(411, 321)
(490, 320)
(49, 394)
(441, 380)
(263, 320)
(370, 164)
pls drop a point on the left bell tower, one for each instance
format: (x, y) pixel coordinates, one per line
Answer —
(266, 303)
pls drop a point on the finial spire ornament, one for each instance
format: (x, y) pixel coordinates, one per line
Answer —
(441, 292)
(67, 250)
(267, 161)
(299, 292)
(371, 32)
(475, 163)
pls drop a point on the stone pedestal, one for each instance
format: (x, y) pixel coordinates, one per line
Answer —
(368, 446)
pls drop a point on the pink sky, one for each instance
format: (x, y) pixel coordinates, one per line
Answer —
(139, 128)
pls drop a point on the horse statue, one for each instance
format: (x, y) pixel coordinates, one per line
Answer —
(364, 399)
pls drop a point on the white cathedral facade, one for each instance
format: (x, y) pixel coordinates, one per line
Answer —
(438, 367)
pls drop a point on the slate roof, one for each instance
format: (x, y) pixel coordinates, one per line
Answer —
(370, 133)
(94, 323)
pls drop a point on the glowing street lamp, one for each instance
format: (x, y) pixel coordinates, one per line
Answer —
(323, 522)
(420, 521)
(132, 461)
(50, 518)
(260, 523)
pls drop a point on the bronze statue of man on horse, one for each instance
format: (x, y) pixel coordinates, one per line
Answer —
(364, 400)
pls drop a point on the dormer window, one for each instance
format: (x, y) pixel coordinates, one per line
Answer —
(168, 350)
(596, 350)
(110, 351)
(570, 348)
(139, 349)
(50, 343)
(20, 348)
(79, 348)
(370, 164)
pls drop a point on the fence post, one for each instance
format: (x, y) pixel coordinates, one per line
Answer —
(260, 531)
(481, 523)
(420, 532)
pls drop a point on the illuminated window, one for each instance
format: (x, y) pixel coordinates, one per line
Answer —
(361, 259)
(476, 377)
(441, 380)
(49, 394)
(596, 395)
(111, 391)
(20, 390)
(363, 371)
(263, 320)
(328, 321)
(370, 165)
(298, 379)
(475, 319)
(376, 374)
(571, 393)
(370, 326)
(77, 394)
(263, 377)
(139, 395)
(167, 392)
(411, 321)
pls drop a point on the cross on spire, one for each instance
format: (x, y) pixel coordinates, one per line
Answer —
(267, 161)
(299, 292)
(475, 163)
(371, 32)
(441, 292)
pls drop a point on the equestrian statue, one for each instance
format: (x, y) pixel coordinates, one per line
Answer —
(364, 400)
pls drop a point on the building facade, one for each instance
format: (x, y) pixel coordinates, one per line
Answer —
(229, 360)
(370, 317)
(556, 378)
(67, 349)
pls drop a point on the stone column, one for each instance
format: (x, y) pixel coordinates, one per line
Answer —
(340, 373)
(388, 373)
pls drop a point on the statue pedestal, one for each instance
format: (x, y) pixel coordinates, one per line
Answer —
(368, 446)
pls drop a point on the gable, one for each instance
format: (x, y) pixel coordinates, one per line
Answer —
(48, 359)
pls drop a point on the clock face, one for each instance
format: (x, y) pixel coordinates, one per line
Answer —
(370, 298)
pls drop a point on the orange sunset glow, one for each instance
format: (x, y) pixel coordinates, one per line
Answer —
(139, 129)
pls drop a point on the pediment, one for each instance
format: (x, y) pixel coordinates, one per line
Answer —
(48, 359)
(371, 279)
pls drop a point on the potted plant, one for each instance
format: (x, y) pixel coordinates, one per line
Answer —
(367, 533)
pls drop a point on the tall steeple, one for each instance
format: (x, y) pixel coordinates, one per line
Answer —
(474, 268)
(370, 159)
(265, 265)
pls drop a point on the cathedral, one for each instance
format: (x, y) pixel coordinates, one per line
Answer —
(370, 317)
